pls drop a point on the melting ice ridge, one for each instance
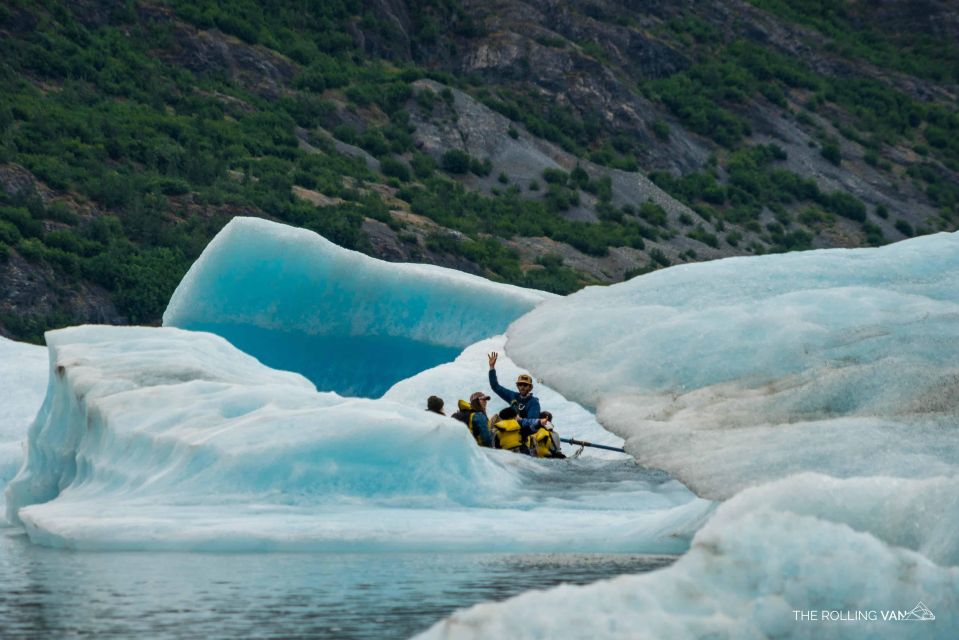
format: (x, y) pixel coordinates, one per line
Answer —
(23, 381)
(819, 393)
(170, 439)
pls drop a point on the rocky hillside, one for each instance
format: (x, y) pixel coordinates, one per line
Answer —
(548, 144)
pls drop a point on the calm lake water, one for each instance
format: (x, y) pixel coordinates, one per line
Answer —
(48, 593)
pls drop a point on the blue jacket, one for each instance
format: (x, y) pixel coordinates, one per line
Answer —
(481, 428)
(526, 406)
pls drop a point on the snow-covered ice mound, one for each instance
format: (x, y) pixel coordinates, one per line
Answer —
(348, 322)
(842, 553)
(731, 373)
(741, 377)
(456, 380)
(170, 439)
(23, 381)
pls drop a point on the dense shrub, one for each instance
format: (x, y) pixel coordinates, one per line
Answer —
(830, 151)
(456, 161)
(904, 228)
(394, 168)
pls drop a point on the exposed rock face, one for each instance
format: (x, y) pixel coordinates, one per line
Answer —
(16, 180)
(638, 54)
(408, 246)
(212, 52)
(909, 17)
(812, 48)
(854, 176)
(589, 57)
(392, 41)
(542, 45)
(474, 128)
(34, 291)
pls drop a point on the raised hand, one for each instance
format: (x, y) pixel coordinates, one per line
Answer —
(492, 359)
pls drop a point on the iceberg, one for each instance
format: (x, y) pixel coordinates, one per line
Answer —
(770, 563)
(350, 323)
(732, 373)
(23, 379)
(161, 438)
(818, 394)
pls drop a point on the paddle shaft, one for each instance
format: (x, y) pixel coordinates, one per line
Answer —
(590, 444)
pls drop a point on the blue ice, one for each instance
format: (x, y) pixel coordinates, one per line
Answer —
(350, 323)
(23, 381)
(160, 439)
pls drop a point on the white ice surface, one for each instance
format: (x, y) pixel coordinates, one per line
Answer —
(731, 373)
(468, 373)
(23, 382)
(348, 322)
(807, 543)
(170, 439)
(741, 377)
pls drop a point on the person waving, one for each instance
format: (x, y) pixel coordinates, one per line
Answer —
(522, 400)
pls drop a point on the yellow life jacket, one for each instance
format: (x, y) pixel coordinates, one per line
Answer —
(465, 407)
(507, 435)
(541, 444)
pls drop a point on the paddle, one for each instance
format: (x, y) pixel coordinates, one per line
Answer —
(583, 443)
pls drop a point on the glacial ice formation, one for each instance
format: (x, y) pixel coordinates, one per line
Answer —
(169, 439)
(23, 381)
(821, 391)
(731, 373)
(350, 323)
(809, 543)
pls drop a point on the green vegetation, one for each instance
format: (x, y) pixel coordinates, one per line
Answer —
(830, 151)
(709, 97)
(742, 70)
(900, 50)
(705, 96)
(904, 228)
(459, 162)
(150, 145)
(503, 263)
(157, 158)
(456, 161)
(661, 129)
(755, 183)
(582, 135)
(452, 206)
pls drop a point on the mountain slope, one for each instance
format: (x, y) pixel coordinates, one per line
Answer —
(550, 145)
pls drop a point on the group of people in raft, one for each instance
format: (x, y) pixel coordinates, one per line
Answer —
(522, 427)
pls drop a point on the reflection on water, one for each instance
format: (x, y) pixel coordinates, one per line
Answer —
(46, 593)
